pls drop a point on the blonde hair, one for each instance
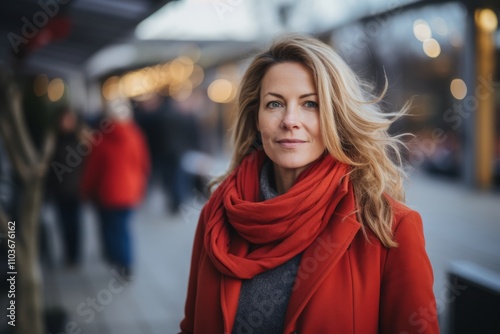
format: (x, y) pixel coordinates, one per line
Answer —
(354, 128)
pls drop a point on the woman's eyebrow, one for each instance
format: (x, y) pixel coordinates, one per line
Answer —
(281, 96)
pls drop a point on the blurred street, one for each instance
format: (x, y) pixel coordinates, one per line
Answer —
(153, 301)
(459, 224)
(103, 99)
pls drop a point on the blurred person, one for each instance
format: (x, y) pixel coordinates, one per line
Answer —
(63, 182)
(171, 131)
(181, 135)
(114, 177)
(148, 114)
(307, 232)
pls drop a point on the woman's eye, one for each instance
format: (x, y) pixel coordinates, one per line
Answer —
(311, 104)
(273, 104)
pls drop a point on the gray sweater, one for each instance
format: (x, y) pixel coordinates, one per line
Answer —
(264, 298)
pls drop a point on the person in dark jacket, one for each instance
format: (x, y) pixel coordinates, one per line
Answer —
(63, 182)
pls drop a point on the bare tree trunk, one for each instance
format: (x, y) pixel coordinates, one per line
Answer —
(31, 166)
(30, 311)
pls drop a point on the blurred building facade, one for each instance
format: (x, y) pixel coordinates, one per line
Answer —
(442, 55)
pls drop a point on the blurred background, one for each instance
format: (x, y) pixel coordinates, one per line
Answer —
(129, 103)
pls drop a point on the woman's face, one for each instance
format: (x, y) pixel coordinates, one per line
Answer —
(288, 116)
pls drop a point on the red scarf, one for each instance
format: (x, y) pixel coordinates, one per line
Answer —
(277, 229)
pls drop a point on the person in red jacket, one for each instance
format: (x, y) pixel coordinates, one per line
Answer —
(114, 178)
(307, 232)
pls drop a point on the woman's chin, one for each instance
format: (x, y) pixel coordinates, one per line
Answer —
(291, 164)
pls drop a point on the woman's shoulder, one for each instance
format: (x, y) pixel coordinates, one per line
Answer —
(402, 213)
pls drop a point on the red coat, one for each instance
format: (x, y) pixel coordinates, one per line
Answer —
(344, 285)
(116, 170)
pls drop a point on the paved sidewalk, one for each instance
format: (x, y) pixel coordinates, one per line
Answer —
(459, 224)
(152, 303)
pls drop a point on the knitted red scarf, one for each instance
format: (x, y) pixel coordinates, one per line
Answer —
(276, 229)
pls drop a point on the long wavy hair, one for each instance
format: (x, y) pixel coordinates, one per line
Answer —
(354, 127)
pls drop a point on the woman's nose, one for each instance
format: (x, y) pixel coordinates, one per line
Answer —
(290, 118)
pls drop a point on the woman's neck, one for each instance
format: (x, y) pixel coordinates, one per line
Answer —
(285, 177)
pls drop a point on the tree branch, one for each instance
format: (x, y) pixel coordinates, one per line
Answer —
(10, 104)
(47, 150)
(15, 158)
(25, 142)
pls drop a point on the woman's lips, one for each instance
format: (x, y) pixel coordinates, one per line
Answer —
(290, 143)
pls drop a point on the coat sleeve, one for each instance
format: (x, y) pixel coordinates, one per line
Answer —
(145, 154)
(407, 301)
(187, 324)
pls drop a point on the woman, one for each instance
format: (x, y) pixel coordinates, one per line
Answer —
(307, 231)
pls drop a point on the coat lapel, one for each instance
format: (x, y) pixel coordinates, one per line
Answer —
(317, 261)
(230, 287)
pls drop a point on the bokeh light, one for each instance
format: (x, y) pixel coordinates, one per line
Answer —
(111, 88)
(422, 30)
(197, 75)
(180, 69)
(181, 91)
(55, 90)
(431, 48)
(458, 89)
(486, 19)
(220, 90)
